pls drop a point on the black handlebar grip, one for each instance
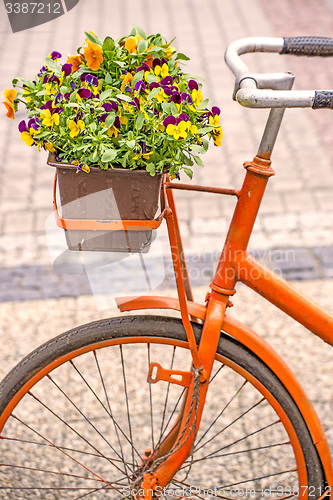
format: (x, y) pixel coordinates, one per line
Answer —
(308, 46)
(323, 99)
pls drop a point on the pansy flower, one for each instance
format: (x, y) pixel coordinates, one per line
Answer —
(75, 61)
(177, 131)
(84, 93)
(127, 78)
(55, 55)
(26, 133)
(9, 103)
(49, 119)
(92, 80)
(75, 127)
(94, 55)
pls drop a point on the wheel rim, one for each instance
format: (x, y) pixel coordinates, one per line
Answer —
(233, 460)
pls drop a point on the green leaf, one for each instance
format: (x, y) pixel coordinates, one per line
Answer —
(93, 38)
(53, 66)
(26, 81)
(124, 97)
(138, 31)
(108, 78)
(188, 172)
(153, 93)
(92, 127)
(137, 77)
(142, 46)
(205, 144)
(130, 144)
(206, 129)
(108, 44)
(150, 167)
(104, 95)
(73, 96)
(109, 155)
(204, 104)
(198, 149)
(182, 57)
(110, 120)
(187, 161)
(198, 161)
(166, 108)
(151, 78)
(173, 108)
(139, 121)
(41, 92)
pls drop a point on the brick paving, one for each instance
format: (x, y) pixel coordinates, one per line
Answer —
(297, 209)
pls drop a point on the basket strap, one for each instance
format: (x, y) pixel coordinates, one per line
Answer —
(103, 225)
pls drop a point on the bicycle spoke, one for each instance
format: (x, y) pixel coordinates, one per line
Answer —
(229, 425)
(127, 401)
(115, 424)
(74, 430)
(258, 478)
(62, 451)
(242, 439)
(219, 415)
(208, 457)
(25, 441)
(86, 418)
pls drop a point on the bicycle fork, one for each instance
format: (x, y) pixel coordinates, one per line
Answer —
(170, 455)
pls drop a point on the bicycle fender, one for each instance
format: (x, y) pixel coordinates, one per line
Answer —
(256, 344)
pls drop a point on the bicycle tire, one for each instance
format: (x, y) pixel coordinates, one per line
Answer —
(247, 450)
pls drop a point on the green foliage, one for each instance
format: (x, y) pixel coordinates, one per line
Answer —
(103, 120)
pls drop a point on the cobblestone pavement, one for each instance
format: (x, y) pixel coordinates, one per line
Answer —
(297, 210)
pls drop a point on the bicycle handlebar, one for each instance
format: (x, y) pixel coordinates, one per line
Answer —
(254, 91)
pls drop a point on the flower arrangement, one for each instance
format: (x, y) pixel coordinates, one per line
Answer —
(124, 103)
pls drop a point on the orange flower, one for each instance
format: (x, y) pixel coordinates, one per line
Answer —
(10, 95)
(75, 61)
(94, 55)
(131, 43)
(127, 81)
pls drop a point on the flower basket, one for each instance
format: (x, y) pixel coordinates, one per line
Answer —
(116, 116)
(106, 196)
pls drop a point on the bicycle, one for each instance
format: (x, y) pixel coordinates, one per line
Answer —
(87, 413)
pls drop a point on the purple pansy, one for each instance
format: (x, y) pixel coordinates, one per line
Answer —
(58, 98)
(67, 96)
(55, 55)
(128, 89)
(168, 80)
(79, 115)
(169, 120)
(176, 97)
(186, 97)
(183, 117)
(136, 102)
(92, 80)
(34, 123)
(215, 110)
(153, 85)
(192, 84)
(117, 123)
(41, 71)
(22, 126)
(73, 85)
(140, 86)
(156, 62)
(84, 93)
(144, 67)
(54, 78)
(66, 69)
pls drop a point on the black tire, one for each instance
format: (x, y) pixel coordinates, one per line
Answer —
(255, 459)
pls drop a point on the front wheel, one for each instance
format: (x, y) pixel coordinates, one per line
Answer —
(78, 419)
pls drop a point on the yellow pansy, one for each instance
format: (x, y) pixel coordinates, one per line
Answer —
(75, 128)
(49, 119)
(177, 131)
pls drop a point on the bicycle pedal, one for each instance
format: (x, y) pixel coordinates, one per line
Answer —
(178, 377)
